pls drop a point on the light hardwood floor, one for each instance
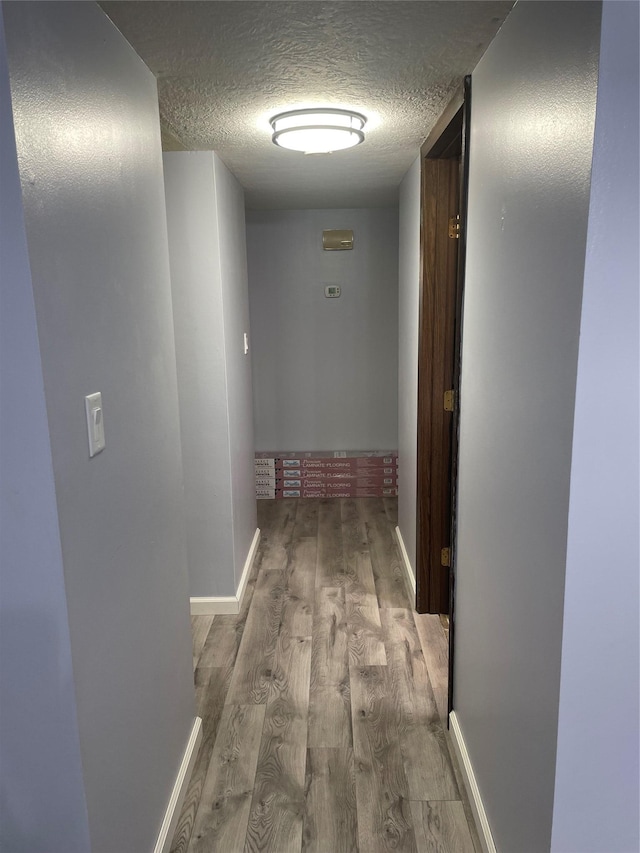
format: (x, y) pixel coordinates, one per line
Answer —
(324, 701)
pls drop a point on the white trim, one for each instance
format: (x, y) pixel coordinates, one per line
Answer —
(248, 565)
(227, 604)
(183, 778)
(473, 792)
(409, 576)
(214, 604)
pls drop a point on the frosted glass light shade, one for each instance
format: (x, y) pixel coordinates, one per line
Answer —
(318, 131)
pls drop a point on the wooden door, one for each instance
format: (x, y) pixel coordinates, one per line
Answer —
(436, 359)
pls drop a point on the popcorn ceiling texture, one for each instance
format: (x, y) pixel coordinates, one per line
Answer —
(224, 68)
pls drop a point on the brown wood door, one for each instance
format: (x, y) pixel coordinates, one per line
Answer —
(436, 358)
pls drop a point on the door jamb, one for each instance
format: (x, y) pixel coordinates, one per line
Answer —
(445, 132)
(438, 141)
(457, 370)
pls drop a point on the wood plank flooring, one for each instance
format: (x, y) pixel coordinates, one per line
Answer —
(324, 701)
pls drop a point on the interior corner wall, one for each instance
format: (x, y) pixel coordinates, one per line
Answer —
(235, 304)
(409, 312)
(325, 370)
(88, 144)
(532, 120)
(207, 248)
(42, 807)
(598, 751)
(192, 220)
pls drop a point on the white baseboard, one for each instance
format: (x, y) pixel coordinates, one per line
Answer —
(248, 565)
(214, 604)
(225, 604)
(409, 576)
(174, 806)
(473, 792)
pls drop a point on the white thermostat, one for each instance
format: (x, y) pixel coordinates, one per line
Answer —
(332, 291)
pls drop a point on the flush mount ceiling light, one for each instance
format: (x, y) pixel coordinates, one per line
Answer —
(318, 131)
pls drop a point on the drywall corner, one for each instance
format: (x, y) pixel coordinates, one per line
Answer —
(43, 804)
(88, 142)
(598, 752)
(408, 313)
(532, 120)
(232, 259)
(199, 325)
(228, 604)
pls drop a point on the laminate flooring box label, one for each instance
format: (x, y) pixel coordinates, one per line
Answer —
(285, 480)
(322, 474)
(297, 474)
(276, 494)
(324, 454)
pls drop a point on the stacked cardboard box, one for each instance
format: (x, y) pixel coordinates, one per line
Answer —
(358, 474)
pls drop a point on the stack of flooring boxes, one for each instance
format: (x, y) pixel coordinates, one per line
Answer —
(356, 474)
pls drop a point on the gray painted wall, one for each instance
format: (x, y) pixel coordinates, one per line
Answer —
(205, 214)
(192, 219)
(596, 791)
(235, 306)
(532, 124)
(409, 307)
(88, 142)
(325, 370)
(42, 802)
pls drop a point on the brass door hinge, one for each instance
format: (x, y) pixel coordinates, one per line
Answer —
(454, 227)
(445, 556)
(449, 400)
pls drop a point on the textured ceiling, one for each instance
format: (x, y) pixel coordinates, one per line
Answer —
(224, 68)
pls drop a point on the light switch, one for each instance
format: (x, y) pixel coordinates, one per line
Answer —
(246, 343)
(95, 423)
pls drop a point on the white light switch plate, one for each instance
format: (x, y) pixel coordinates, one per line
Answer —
(95, 423)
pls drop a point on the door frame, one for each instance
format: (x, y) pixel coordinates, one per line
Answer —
(451, 129)
(436, 356)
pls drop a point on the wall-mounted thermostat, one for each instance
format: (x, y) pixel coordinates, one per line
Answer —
(332, 291)
(337, 240)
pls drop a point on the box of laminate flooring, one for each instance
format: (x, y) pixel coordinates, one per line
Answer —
(285, 479)
(322, 493)
(269, 455)
(309, 474)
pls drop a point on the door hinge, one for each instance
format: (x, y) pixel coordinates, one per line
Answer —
(449, 400)
(445, 557)
(454, 227)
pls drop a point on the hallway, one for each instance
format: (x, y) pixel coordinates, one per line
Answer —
(323, 702)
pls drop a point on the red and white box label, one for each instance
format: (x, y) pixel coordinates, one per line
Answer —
(292, 474)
